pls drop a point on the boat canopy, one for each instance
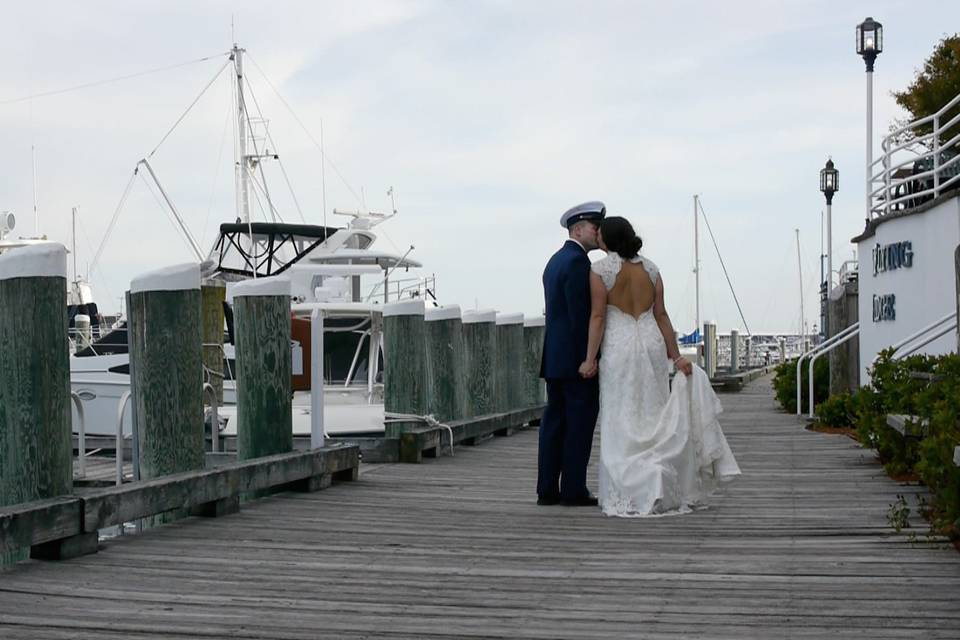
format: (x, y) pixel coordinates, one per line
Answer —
(270, 250)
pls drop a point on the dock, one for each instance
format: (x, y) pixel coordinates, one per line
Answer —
(799, 547)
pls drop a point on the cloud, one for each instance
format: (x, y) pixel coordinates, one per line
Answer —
(489, 119)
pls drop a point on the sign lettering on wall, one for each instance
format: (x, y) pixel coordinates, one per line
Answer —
(889, 257)
(884, 307)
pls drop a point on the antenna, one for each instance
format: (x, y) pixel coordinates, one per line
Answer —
(323, 175)
(74, 218)
(393, 204)
(36, 211)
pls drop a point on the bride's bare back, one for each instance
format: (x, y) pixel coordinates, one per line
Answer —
(633, 292)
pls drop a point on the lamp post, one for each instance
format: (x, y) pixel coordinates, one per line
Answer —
(869, 45)
(829, 185)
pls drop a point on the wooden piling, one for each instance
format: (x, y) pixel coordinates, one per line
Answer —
(444, 364)
(212, 294)
(735, 351)
(264, 382)
(710, 348)
(480, 344)
(36, 449)
(165, 345)
(534, 388)
(405, 382)
(509, 361)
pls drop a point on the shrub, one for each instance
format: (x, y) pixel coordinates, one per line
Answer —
(837, 411)
(785, 384)
(895, 388)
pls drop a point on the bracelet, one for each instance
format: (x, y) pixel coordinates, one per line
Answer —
(675, 359)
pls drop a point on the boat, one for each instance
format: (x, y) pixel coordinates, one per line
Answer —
(336, 270)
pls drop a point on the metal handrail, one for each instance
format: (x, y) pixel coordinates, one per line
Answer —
(119, 438)
(950, 327)
(854, 327)
(214, 417)
(822, 352)
(930, 327)
(941, 171)
(356, 358)
(81, 436)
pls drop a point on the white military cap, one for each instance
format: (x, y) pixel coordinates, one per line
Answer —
(594, 210)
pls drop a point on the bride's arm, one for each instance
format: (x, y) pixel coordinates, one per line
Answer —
(666, 328)
(598, 313)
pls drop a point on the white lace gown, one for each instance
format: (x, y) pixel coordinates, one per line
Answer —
(661, 452)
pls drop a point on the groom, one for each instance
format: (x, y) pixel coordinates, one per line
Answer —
(566, 430)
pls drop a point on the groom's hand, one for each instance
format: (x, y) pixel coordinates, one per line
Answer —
(588, 369)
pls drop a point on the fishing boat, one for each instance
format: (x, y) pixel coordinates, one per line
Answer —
(336, 270)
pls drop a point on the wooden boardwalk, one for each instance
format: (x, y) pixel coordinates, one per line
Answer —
(799, 547)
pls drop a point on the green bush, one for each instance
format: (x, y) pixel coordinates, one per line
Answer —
(895, 388)
(837, 411)
(785, 384)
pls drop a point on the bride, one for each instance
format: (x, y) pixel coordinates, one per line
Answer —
(661, 452)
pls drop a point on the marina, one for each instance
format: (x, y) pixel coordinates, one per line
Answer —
(799, 548)
(292, 346)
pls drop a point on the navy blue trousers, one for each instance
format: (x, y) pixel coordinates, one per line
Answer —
(566, 437)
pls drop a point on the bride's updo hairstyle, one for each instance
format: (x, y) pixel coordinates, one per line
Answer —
(620, 238)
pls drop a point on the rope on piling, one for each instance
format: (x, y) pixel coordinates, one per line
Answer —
(428, 419)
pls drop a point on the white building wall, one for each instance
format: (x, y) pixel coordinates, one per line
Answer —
(924, 292)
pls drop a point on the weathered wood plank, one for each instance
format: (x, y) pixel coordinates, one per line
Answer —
(30, 523)
(110, 506)
(424, 441)
(799, 548)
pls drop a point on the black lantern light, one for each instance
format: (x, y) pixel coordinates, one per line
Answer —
(869, 41)
(829, 181)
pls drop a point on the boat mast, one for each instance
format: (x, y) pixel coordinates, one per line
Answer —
(803, 337)
(243, 161)
(243, 193)
(36, 210)
(696, 264)
(74, 218)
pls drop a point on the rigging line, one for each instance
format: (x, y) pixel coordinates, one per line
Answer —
(305, 130)
(276, 151)
(116, 214)
(86, 238)
(192, 104)
(216, 175)
(166, 210)
(253, 140)
(87, 85)
(274, 214)
(727, 275)
(290, 187)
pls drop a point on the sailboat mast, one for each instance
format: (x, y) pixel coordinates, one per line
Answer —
(36, 210)
(803, 337)
(242, 175)
(74, 218)
(696, 258)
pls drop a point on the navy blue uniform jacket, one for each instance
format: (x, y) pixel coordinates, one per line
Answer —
(566, 290)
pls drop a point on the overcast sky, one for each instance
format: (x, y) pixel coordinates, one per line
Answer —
(488, 118)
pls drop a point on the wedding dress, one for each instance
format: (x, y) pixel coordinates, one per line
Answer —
(661, 451)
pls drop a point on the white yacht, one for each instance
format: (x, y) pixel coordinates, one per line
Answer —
(335, 270)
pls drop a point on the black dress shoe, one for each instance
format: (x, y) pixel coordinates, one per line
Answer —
(546, 501)
(583, 501)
